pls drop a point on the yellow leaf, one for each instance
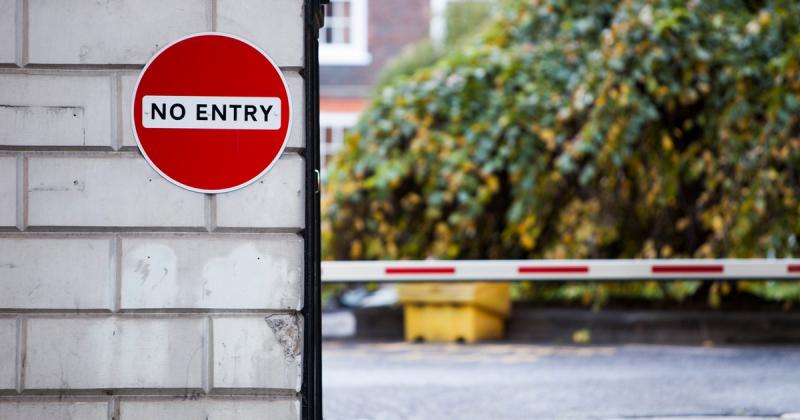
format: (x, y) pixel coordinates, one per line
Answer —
(717, 224)
(356, 249)
(582, 336)
(600, 101)
(666, 142)
(549, 137)
(527, 242)
(666, 251)
(725, 288)
(493, 183)
(763, 18)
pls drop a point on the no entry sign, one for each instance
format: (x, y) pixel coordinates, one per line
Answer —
(211, 112)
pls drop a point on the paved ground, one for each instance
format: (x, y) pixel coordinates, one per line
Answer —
(385, 381)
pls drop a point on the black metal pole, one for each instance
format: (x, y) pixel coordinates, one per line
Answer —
(311, 390)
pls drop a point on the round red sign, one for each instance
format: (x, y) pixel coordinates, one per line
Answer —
(211, 112)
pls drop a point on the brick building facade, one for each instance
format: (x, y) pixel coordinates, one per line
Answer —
(360, 38)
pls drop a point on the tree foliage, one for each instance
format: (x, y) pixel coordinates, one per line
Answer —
(592, 129)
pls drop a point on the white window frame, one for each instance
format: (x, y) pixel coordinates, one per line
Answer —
(438, 24)
(354, 53)
(438, 28)
(340, 122)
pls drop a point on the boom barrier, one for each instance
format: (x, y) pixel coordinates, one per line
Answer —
(559, 270)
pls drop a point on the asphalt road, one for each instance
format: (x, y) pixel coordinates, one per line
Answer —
(385, 381)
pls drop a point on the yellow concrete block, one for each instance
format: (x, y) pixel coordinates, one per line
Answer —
(451, 322)
(491, 296)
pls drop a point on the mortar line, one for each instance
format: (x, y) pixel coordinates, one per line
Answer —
(13, 232)
(151, 313)
(45, 149)
(116, 115)
(143, 230)
(18, 31)
(22, 192)
(28, 397)
(210, 212)
(51, 68)
(22, 339)
(208, 374)
(113, 408)
(94, 394)
(213, 15)
(115, 282)
(104, 151)
(22, 33)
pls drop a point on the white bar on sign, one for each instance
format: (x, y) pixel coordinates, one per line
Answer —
(212, 112)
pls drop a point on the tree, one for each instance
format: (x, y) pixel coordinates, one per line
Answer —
(597, 129)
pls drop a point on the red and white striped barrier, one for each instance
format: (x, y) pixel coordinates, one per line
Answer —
(554, 270)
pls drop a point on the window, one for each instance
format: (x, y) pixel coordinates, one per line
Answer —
(332, 126)
(451, 20)
(343, 39)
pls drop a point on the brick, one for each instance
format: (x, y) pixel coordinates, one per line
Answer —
(128, 84)
(38, 410)
(39, 124)
(275, 201)
(219, 272)
(211, 409)
(103, 353)
(118, 32)
(8, 354)
(293, 80)
(8, 190)
(8, 31)
(63, 273)
(106, 190)
(257, 20)
(257, 352)
(297, 137)
(56, 110)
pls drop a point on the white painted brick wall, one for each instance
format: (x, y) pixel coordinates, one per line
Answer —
(49, 273)
(109, 32)
(106, 190)
(101, 353)
(38, 410)
(8, 190)
(257, 20)
(211, 409)
(83, 310)
(257, 352)
(199, 271)
(8, 31)
(8, 354)
(48, 109)
(293, 80)
(277, 200)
